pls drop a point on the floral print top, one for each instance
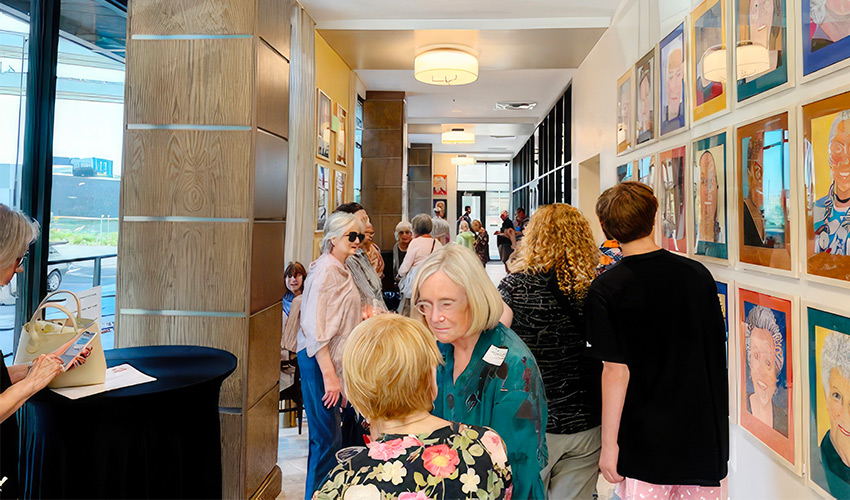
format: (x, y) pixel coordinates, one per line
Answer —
(454, 462)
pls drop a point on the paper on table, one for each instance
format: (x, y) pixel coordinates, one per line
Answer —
(117, 377)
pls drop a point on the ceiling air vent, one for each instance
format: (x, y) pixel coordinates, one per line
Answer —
(515, 106)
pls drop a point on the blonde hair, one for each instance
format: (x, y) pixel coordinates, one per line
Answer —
(17, 232)
(559, 237)
(462, 266)
(387, 367)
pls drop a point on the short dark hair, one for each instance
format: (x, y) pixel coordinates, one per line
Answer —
(627, 211)
(521, 209)
(295, 269)
(467, 207)
(349, 208)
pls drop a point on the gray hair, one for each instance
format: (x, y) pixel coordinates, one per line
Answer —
(842, 116)
(402, 226)
(464, 226)
(817, 11)
(763, 318)
(441, 227)
(834, 355)
(335, 227)
(421, 224)
(17, 232)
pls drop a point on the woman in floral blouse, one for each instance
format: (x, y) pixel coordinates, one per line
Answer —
(389, 368)
(490, 377)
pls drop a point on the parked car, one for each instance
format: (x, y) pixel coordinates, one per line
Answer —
(55, 275)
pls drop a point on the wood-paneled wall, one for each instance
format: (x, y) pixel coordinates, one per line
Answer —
(203, 205)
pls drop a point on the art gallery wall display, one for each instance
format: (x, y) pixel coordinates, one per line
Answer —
(826, 167)
(725, 295)
(767, 356)
(765, 191)
(646, 171)
(706, 38)
(624, 173)
(341, 151)
(671, 196)
(761, 38)
(824, 35)
(339, 187)
(323, 123)
(624, 112)
(672, 108)
(323, 182)
(828, 398)
(708, 165)
(440, 185)
(440, 208)
(645, 90)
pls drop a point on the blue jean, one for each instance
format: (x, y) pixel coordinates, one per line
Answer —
(323, 424)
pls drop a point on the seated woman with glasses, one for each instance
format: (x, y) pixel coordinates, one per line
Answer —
(330, 309)
(490, 378)
(389, 365)
(17, 382)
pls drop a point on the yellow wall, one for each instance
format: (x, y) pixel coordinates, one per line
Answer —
(335, 78)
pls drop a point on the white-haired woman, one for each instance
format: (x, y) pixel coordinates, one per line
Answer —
(403, 237)
(490, 377)
(17, 382)
(330, 309)
(765, 345)
(835, 446)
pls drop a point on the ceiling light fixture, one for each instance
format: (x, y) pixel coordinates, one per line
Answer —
(515, 106)
(463, 160)
(458, 136)
(446, 66)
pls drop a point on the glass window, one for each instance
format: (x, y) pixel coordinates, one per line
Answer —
(498, 172)
(472, 173)
(14, 33)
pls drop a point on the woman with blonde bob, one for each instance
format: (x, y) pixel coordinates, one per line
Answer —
(490, 378)
(389, 370)
(544, 296)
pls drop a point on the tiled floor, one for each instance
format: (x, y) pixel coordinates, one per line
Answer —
(292, 447)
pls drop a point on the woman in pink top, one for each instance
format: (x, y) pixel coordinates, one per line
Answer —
(418, 250)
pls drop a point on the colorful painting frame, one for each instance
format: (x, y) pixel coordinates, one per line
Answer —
(707, 99)
(323, 125)
(625, 172)
(443, 205)
(827, 232)
(766, 225)
(775, 37)
(624, 112)
(671, 194)
(713, 146)
(646, 97)
(666, 72)
(440, 185)
(323, 175)
(782, 435)
(820, 57)
(339, 187)
(726, 296)
(823, 322)
(341, 151)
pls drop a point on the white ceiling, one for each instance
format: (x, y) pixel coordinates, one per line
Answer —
(527, 51)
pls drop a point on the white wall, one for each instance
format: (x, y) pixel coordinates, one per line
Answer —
(638, 25)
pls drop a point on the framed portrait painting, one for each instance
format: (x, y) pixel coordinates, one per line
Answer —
(671, 195)
(646, 171)
(766, 380)
(340, 157)
(645, 105)
(440, 185)
(671, 82)
(825, 35)
(708, 157)
(440, 208)
(765, 236)
(339, 187)
(829, 393)
(323, 122)
(706, 37)
(624, 112)
(624, 172)
(323, 182)
(826, 166)
(761, 36)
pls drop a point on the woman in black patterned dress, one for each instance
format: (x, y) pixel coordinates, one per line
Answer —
(482, 242)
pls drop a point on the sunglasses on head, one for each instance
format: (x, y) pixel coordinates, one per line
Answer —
(354, 235)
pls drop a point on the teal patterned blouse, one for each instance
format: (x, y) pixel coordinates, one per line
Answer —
(501, 388)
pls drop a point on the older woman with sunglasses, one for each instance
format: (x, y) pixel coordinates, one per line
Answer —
(490, 378)
(330, 309)
(17, 382)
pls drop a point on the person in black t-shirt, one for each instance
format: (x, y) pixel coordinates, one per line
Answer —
(655, 322)
(503, 242)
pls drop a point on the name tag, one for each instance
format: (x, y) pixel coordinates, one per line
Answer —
(495, 355)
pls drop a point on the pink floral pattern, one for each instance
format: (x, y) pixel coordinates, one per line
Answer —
(440, 460)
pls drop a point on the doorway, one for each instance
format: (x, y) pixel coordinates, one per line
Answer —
(474, 200)
(588, 193)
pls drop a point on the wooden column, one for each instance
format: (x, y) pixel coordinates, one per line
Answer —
(384, 156)
(203, 205)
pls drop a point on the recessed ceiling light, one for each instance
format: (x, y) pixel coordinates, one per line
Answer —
(515, 106)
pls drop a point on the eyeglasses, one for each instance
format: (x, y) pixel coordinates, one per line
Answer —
(445, 306)
(354, 235)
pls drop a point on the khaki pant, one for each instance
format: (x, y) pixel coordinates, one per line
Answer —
(573, 466)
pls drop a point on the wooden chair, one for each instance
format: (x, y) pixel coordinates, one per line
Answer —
(292, 393)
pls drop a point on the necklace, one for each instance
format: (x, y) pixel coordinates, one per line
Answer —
(405, 423)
